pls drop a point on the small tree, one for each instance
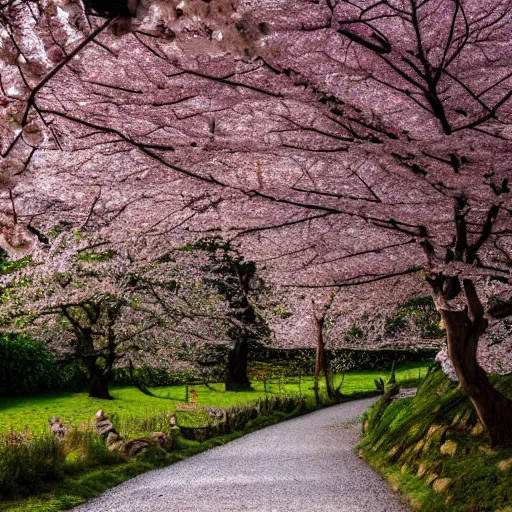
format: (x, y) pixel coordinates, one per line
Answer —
(322, 355)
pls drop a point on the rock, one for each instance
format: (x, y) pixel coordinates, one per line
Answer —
(112, 438)
(216, 413)
(395, 485)
(422, 469)
(172, 421)
(163, 440)
(449, 448)
(430, 478)
(361, 454)
(435, 435)
(100, 415)
(393, 451)
(466, 419)
(485, 448)
(115, 447)
(104, 427)
(57, 428)
(436, 430)
(477, 429)
(419, 446)
(136, 446)
(441, 484)
(505, 465)
(415, 504)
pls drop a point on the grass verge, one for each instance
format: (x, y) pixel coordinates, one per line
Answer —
(433, 450)
(88, 468)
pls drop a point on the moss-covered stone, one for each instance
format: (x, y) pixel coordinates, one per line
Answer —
(485, 448)
(505, 465)
(441, 484)
(395, 484)
(393, 451)
(431, 478)
(419, 446)
(449, 448)
(477, 430)
(422, 469)
(435, 438)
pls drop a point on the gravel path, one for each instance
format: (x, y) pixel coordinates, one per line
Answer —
(302, 465)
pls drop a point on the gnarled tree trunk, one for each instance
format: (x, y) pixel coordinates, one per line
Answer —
(464, 329)
(98, 381)
(236, 377)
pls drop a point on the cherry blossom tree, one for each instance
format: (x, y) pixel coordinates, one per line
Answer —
(343, 143)
(104, 308)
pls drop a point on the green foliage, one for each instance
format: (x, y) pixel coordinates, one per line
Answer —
(354, 334)
(282, 314)
(27, 464)
(422, 312)
(76, 407)
(83, 467)
(96, 257)
(26, 365)
(392, 377)
(8, 266)
(379, 384)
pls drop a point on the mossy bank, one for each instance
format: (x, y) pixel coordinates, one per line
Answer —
(433, 449)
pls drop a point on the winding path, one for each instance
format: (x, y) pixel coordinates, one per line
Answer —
(302, 465)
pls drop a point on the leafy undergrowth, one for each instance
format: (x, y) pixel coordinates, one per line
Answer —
(32, 412)
(433, 449)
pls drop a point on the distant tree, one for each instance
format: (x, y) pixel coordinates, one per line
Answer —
(237, 282)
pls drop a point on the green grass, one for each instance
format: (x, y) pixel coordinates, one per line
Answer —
(401, 442)
(32, 412)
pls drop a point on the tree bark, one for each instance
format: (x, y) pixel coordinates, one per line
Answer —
(98, 381)
(463, 329)
(494, 409)
(237, 377)
(327, 374)
(321, 362)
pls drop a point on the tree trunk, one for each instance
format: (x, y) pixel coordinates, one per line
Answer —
(236, 377)
(98, 381)
(327, 375)
(494, 409)
(320, 360)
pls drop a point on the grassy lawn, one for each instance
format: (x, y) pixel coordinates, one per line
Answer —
(32, 412)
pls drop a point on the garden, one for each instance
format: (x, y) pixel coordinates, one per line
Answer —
(218, 216)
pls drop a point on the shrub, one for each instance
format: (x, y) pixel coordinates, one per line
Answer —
(86, 448)
(26, 365)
